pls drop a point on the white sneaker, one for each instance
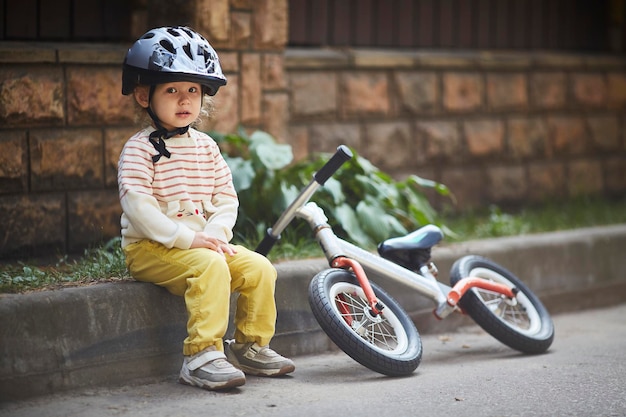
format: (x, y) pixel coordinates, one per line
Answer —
(210, 370)
(257, 360)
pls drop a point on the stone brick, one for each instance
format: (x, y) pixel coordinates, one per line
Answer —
(527, 137)
(589, 89)
(507, 183)
(440, 140)
(507, 91)
(326, 137)
(31, 96)
(417, 91)
(462, 91)
(548, 89)
(298, 138)
(212, 19)
(314, 94)
(94, 96)
(114, 140)
(389, 146)
(605, 132)
(567, 134)
(584, 178)
(93, 217)
(34, 225)
(66, 159)
(13, 162)
(242, 4)
(229, 61)
(546, 181)
(484, 137)
(616, 89)
(365, 93)
(250, 94)
(467, 184)
(273, 72)
(225, 114)
(241, 30)
(383, 58)
(275, 114)
(615, 175)
(270, 24)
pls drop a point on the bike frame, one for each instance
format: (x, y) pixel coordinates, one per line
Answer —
(343, 254)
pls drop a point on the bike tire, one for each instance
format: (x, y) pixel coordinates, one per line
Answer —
(389, 343)
(524, 325)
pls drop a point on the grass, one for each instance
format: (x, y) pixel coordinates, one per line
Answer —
(546, 218)
(106, 263)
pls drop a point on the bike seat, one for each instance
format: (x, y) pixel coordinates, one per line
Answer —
(423, 238)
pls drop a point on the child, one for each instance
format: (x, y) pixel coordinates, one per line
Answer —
(179, 207)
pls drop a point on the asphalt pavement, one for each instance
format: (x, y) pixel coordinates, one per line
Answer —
(463, 373)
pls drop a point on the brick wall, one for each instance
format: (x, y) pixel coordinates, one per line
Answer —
(63, 119)
(503, 128)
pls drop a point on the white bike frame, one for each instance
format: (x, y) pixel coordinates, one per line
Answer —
(343, 254)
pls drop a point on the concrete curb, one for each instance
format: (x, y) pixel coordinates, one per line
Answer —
(115, 333)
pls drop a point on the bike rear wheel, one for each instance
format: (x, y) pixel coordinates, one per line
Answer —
(387, 343)
(523, 323)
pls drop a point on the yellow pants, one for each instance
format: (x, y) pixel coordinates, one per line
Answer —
(206, 279)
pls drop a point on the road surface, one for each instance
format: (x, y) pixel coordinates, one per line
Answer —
(464, 373)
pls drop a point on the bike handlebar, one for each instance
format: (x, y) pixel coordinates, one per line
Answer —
(272, 235)
(342, 155)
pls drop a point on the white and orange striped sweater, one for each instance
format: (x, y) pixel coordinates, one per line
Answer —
(168, 201)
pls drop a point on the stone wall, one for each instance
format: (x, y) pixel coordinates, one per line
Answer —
(63, 119)
(506, 128)
(501, 128)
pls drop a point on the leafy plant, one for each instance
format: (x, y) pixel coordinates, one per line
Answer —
(362, 203)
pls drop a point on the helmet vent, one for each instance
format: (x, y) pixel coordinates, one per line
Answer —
(168, 45)
(188, 32)
(187, 49)
(148, 35)
(173, 32)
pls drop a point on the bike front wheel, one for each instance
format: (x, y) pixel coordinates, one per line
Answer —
(522, 323)
(387, 343)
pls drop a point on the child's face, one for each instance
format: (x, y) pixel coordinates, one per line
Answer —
(176, 104)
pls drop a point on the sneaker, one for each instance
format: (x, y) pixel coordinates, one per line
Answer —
(257, 360)
(210, 370)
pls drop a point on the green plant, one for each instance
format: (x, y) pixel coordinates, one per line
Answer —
(363, 203)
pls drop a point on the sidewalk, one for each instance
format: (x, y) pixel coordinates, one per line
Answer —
(112, 333)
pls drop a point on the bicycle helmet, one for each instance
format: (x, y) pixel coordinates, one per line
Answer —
(171, 54)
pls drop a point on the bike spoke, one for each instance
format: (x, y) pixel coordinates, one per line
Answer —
(379, 334)
(498, 306)
(382, 337)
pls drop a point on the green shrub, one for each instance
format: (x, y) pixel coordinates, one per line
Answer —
(363, 204)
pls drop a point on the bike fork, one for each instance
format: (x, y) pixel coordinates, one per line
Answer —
(345, 263)
(466, 284)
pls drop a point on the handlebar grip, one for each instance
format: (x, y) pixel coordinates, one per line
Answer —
(342, 155)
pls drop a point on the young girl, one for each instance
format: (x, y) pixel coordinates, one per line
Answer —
(179, 207)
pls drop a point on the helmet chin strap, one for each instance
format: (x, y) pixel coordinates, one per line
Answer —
(157, 138)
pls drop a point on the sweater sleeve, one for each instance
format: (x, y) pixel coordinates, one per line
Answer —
(145, 218)
(222, 209)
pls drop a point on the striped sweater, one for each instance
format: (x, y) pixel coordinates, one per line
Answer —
(170, 200)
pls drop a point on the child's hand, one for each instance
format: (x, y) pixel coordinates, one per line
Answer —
(202, 240)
